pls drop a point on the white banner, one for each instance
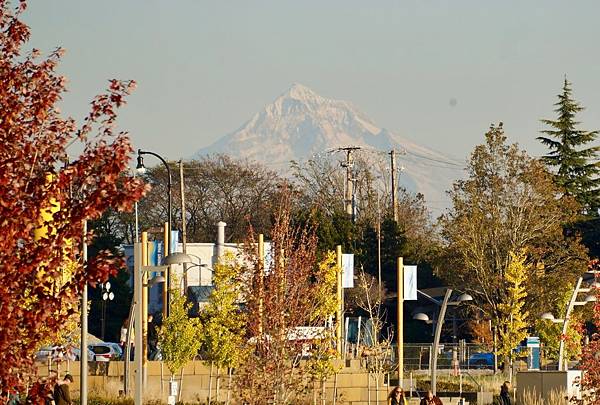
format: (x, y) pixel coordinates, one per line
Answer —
(347, 270)
(410, 283)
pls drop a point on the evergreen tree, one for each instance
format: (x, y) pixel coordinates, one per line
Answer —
(577, 166)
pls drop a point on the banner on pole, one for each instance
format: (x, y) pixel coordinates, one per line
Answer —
(410, 283)
(348, 270)
(174, 241)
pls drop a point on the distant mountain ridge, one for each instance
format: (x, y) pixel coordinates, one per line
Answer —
(300, 123)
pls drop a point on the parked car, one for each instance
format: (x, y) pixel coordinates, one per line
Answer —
(61, 353)
(77, 352)
(481, 360)
(47, 352)
(106, 351)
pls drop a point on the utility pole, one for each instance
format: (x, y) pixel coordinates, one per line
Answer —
(379, 243)
(349, 197)
(394, 187)
(183, 225)
(349, 183)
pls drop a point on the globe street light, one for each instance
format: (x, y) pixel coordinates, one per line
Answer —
(107, 295)
(438, 329)
(562, 364)
(141, 169)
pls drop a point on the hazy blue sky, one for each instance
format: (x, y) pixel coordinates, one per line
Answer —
(204, 68)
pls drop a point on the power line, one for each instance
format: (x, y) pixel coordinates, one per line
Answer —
(447, 162)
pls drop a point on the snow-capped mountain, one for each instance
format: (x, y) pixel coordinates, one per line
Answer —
(300, 124)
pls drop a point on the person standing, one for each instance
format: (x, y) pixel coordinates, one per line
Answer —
(396, 397)
(123, 334)
(152, 337)
(62, 396)
(505, 394)
(430, 399)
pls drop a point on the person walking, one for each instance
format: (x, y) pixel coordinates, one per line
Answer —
(430, 399)
(396, 397)
(62, 396)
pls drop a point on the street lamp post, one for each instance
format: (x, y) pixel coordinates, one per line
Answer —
(438, 330)
(562, 364)
(138, 287)
(107, 295)
(141, 169)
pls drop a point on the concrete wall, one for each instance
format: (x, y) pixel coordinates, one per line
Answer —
(352, 381)
(354, 385)
(544, 382)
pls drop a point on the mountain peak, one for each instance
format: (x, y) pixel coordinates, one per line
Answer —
(300, 124)
(300, 93)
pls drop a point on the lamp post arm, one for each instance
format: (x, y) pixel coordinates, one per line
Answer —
(169, 184)
(430, 298)
(436, 339)
(561, 345)
(169, 226)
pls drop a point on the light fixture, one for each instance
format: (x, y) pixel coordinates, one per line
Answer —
(155, 280)
(464, 297)
(177, 258)
(547, 316)
(421, 317)
(140, 168)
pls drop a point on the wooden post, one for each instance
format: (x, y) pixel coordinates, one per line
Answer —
(400, 340)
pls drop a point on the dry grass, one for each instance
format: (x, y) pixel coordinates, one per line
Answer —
(555, 397)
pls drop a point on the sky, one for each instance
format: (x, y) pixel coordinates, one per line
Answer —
(436, 72)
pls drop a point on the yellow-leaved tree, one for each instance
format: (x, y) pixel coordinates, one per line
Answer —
(512, 325)
(179, 336)
(321, 361)
(224, 322)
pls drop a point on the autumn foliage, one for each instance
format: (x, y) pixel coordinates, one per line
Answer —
(590, 358)
(290, 289)
(36, 177)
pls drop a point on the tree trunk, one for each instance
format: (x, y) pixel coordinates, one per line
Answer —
(335, 386)
(210, 383)
(218, 383)
(377, 388)
(323, 397)
(369, 388)
(229, 372)
(180, 385)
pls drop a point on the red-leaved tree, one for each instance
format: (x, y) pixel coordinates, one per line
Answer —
(41, 271)
(590, 357)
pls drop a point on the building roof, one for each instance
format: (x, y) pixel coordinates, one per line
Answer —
(199, 293)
